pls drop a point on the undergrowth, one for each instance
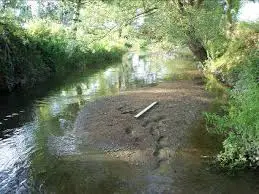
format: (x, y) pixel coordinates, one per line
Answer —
(239, 68)
(41, 49)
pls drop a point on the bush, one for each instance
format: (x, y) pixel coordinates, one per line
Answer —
(42, 49)
(241, 123)
(21, 61)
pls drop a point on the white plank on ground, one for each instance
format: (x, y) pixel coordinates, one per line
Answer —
(145, 110)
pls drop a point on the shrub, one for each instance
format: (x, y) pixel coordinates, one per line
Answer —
(42, 49)
(241, 123)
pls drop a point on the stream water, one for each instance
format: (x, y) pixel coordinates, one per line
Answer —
(40, 154)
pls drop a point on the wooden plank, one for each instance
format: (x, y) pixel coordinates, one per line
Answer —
(145, 110)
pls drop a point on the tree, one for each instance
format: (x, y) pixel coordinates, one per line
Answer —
(191, 22)
(185, 10)
(231, 10)
(195, 23)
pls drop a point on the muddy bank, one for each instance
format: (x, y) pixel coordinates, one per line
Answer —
(167, 150)
(109, 124)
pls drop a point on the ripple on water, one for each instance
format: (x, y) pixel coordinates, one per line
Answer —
(14, 159)
(63, 145)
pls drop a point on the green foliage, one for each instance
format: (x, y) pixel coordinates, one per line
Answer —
(197, 25)
(44, 49)
(20, 61)
(240, 49)
(241, 123)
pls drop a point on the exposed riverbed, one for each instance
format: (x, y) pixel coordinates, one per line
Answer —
(80, 135)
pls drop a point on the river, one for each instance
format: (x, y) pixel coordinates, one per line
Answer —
(37, 140)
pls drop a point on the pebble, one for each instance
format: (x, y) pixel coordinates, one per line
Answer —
(5, 119)
(15, 114)
(21, 111)
(8, 116)
(1, 123)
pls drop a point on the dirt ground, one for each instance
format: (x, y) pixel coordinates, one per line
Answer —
(110, 126)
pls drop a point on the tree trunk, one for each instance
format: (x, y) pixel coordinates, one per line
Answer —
(229, 16)
(194, 44)
(77, 14)
(229, 8)
(198, 50)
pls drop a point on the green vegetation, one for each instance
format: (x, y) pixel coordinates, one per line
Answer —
(239, 68)
(41, 47)
(44, 49)
(70, 35)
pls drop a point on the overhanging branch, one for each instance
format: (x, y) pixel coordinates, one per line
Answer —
(128, 22)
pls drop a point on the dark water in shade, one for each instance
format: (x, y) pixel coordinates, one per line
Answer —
(40, 153)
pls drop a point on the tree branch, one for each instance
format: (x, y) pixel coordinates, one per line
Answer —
(128, 22)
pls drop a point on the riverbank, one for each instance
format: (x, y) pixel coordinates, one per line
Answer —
(34, 54)
(238, 121)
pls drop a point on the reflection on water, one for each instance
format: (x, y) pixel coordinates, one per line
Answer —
(39, 149)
